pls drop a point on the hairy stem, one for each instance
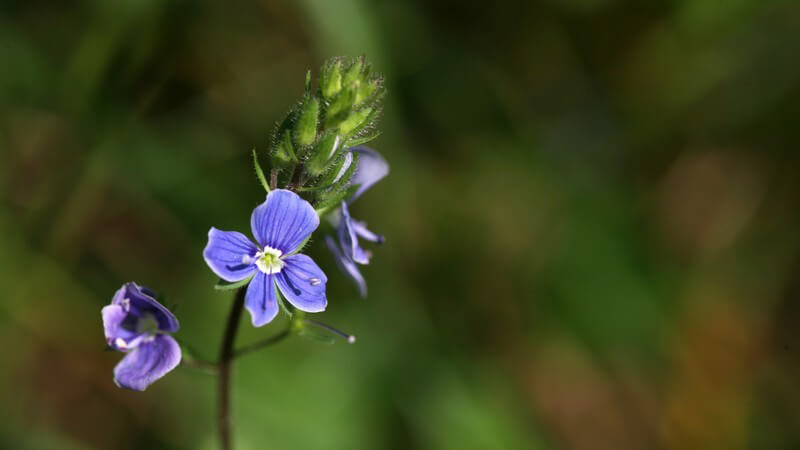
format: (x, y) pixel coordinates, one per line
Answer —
(226, 355)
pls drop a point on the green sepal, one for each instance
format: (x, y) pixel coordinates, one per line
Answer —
(352, 142)
(322, 152)
(259, 172)
(329, 197)
(333, 199)
(223, 285)
(329, 176)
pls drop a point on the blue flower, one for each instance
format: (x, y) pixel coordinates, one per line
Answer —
(137, 324)
(346, 249)
(280, 225)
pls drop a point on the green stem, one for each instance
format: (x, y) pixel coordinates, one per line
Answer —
(226, 355)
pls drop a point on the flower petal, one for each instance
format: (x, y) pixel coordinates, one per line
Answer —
(147, 363)
(118, 337)
(302, 282)
(261, 299)
(283, 221)
(347, 265)
(138, 301)
(361, 230)
(229, 254)
(348, 238)
(371, 169)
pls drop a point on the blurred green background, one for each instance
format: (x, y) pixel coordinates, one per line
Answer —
(591, 219)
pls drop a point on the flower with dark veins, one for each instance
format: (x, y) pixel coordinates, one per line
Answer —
(346, 250)
(137, 324)
(280, 225)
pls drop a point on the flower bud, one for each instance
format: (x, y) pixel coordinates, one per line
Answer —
(366, 90)
(339, 108)
(305, 130)
(331, 81)
(353, 73)
(355, 121)
(283, 153)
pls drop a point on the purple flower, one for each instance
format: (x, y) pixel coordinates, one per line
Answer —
(135, 323)
(347, 251)
(280, 225)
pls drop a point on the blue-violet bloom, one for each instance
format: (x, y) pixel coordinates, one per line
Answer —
(347, 252)
(280, 225)
(135, 323)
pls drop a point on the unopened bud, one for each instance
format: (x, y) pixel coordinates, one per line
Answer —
(366, 90)
(331, 82)
(284, 154)
(305, 130)
(353, 72)
(339, 108)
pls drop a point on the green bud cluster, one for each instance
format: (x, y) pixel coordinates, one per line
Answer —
(307, 150)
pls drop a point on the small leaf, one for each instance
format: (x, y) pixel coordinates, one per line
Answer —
(259, 172)
(223, 285)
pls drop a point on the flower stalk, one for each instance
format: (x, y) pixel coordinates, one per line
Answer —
(226, 356)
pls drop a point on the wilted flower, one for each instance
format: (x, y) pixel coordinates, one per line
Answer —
(280, 225)
(137, 324)
(347, 251)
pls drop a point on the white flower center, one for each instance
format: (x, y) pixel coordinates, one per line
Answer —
(269, 260)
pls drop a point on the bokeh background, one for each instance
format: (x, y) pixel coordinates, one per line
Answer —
(591, 219)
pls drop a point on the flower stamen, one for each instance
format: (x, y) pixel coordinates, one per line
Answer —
(269, 260)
